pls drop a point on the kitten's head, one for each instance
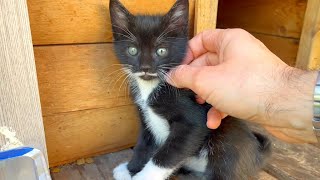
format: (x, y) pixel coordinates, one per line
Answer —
(149, 46)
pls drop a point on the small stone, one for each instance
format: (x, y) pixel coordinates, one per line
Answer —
(81, 161)
(89, 160)
(55, 170)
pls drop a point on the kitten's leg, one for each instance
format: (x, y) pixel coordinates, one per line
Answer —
(183, 142)
(142, 153)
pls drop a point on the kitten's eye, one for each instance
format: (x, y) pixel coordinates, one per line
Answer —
(162, 52)
(132, 51)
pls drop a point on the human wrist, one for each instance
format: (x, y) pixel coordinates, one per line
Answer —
(294, 101)
(294, 110)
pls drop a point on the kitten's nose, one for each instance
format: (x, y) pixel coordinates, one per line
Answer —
(145, 68)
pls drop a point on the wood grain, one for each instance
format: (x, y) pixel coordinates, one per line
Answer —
(292, 135)
(294, 161)
(291, 161)
(285, 48)
(314, 63)
(78, 77)
(84, 21)
(273, 17)
(85, 111)
(103, 165)
(101, 168)
(264, 176)
(74, 135)
(311, 27)
(205, 15)
(20, 109)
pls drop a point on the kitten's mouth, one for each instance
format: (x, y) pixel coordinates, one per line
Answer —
(147, 76)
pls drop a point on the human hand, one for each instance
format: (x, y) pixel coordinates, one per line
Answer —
(239, 76)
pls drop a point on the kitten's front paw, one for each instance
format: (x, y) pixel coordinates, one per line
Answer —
(152, 171)
(121, 172)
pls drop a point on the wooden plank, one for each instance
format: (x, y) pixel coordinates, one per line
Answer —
(205, 15)
(103, 165)
(74, 135)
(68, 172)
(20, 109)
(101, 168)
(264, 176)
(84, 21)
(273, 17)
(85, 110)
(108, 162)
(285, 48)
(78, 77)
(292, 161)
(314, 62)
(311, 27)
(90, 171)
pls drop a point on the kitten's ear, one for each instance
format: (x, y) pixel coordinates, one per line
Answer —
(178, 16)
(120, 16)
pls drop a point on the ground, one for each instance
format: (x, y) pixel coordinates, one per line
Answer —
(288, 161)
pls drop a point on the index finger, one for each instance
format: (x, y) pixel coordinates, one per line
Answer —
(206, 41)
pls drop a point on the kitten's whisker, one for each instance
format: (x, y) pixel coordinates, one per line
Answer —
(175, 89)
(127, 90)
(161, 34)
(116, 71)
(165, 32)
(127, 31)
(111, 82)
(114, 85)
(168, 64)
(175, 38)
(124, 80)
(130, 38)
(122, 41)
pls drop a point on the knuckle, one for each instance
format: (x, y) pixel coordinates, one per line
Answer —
(197, 82)
(240, 31)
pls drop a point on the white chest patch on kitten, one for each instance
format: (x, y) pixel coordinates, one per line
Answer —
(157, 125)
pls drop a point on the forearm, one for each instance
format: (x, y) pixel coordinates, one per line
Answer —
(289, 111)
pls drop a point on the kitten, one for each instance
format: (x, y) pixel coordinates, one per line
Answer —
(174, 139)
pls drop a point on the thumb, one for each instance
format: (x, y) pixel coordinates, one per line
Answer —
(183, 76)
(200, 79)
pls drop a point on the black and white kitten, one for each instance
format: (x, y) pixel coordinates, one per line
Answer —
(174, 139)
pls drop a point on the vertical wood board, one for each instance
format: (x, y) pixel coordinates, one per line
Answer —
(311, 26)
(205, 15)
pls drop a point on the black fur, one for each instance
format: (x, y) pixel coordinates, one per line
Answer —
(234, 151)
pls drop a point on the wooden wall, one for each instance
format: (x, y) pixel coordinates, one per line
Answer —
(277, 23)
(85, 111)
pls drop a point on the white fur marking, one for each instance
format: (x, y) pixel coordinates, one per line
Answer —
(154, 172)
(198, 163)
(177, 14)
(158, 125)
(145, 87)
(121, 172)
